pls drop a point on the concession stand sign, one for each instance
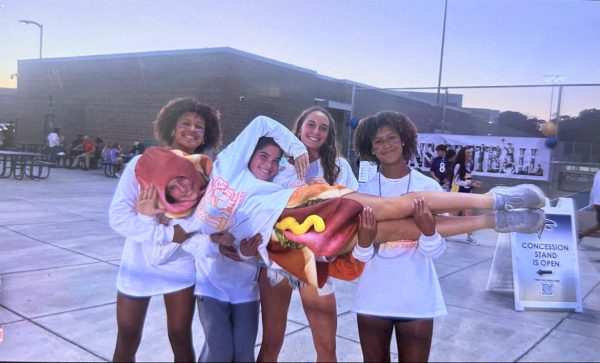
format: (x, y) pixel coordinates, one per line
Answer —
(545, 264)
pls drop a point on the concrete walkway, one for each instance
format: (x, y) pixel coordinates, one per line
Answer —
(59, 260)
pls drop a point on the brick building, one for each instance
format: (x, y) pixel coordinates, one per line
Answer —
(117, 96)
(8, 108)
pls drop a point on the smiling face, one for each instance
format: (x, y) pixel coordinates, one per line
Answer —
(314, 130)
(264, 164)
(183, 189)
(189, 131)
(387, 146)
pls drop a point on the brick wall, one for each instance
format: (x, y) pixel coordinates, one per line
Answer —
(116, 97)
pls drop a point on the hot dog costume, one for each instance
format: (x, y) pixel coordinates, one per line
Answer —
(244, 205)
(160, 165)
(150, 264)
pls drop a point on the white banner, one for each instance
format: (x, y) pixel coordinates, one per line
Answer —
(495, 156)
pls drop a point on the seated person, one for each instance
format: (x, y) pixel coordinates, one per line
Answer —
(89, 151)
(112, 155)
(137, 149)
(75, 149)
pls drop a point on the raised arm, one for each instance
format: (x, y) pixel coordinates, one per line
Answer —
(235, 157)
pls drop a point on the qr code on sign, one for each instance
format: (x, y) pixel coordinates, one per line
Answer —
(547, 289)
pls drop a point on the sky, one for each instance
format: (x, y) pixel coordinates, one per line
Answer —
(382, 43)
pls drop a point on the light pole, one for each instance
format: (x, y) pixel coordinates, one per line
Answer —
(442, 53)
(41, 32)
(553, 78)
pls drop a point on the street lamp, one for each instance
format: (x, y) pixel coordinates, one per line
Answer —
(41, 31)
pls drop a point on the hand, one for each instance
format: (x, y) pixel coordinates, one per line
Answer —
(475, 184)
(224, 238)
(179, 234)
(230, 252)
(317, 180)
(367, 227)
(147, 203)
(301, 165)
(423, 217)
(249, 246)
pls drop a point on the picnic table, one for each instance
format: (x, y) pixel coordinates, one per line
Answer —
(23, 163)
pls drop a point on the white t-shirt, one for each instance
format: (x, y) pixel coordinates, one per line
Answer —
(220, 277)
(400, 279)
(595, 191)
(53, 139)
(465, 183)
(151, 264)
(235, 200)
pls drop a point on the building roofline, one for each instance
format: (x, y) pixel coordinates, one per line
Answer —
(8, 91)
(199, 51)
(228, 50)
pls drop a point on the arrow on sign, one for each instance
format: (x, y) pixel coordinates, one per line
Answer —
(543, 272)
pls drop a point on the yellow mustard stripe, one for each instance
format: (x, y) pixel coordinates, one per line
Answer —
(290, 223)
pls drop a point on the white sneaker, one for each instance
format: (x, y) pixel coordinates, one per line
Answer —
(518, 197)
(523, 221)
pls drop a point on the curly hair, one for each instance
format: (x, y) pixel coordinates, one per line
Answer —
(166, 119)
(328, 152)
(368, 127)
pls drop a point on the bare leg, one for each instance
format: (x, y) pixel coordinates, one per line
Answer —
(275, 302)
(414, 340)
(386, 208)
(468, 213)
(87, 161)
(321, 312)
(131, 314)
(180, 312)
(375, 335)
(446, 226)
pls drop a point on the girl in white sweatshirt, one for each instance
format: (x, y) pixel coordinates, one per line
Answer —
(183, 124)
(384, 302)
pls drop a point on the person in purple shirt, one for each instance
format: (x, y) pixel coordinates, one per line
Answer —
(440, 168)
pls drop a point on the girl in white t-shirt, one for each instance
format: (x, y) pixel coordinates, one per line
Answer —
(384, 302)
(184, 124)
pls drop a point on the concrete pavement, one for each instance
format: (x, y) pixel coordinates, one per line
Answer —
(59, 260)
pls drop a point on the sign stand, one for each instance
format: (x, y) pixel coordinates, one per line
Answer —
(501, 273)
(545, 265)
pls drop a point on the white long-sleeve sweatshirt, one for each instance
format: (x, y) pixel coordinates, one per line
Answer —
(399, 280)
(151, 264)
(235, 200)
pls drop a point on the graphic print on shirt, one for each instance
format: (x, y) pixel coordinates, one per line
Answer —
(218, 205)
(392, 249)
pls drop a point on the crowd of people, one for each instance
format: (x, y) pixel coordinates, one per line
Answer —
(85, 152)
(280, 210)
